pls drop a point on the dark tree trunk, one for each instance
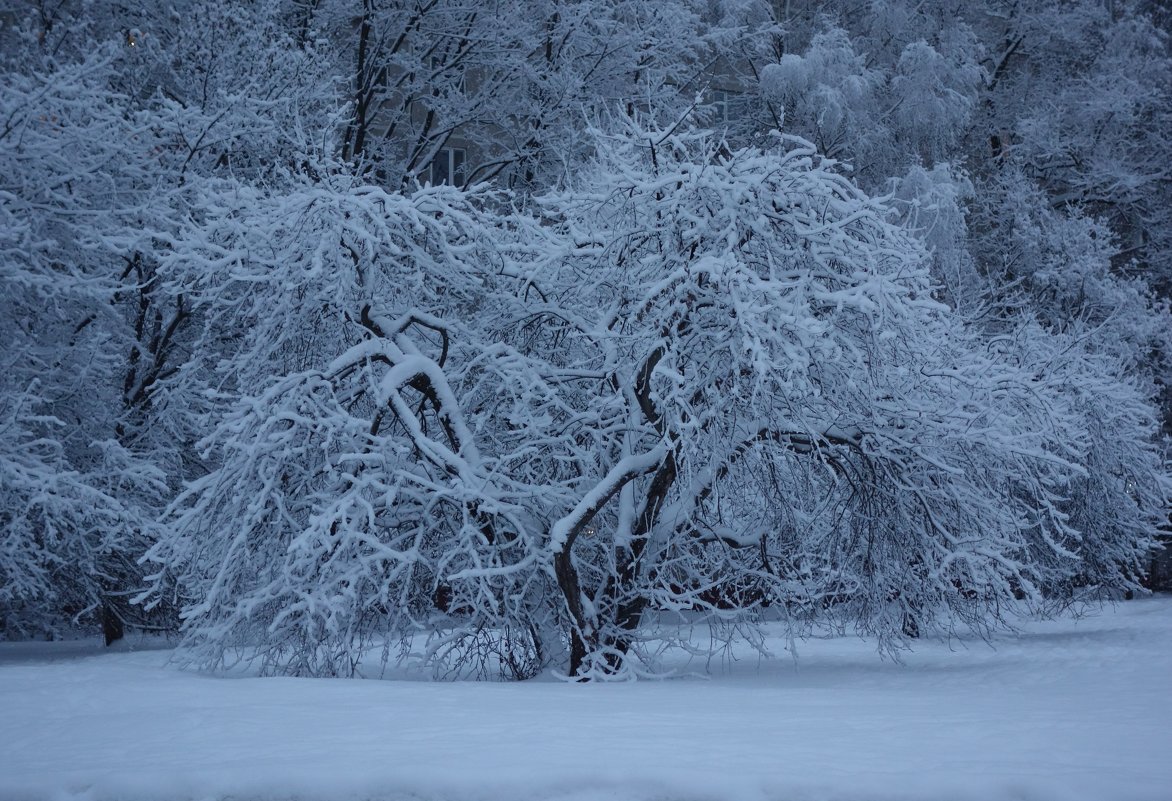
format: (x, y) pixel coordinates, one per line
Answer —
(112, 627)
(577, 654)
(1159, 577)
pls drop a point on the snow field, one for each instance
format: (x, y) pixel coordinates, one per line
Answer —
(1070, 710)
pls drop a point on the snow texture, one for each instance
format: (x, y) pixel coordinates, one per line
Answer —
(1069, 710)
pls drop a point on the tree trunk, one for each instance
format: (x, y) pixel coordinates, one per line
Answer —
(112, 627)
(577, 654)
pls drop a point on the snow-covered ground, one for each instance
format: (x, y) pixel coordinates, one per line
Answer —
(1071, 709)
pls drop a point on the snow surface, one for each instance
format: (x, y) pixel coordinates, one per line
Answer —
(1070, 709)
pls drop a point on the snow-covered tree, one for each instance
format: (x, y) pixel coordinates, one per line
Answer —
(114, 120)
(821, 430)
(894, 367)
(699, 379)
(352, 502)
(1024, 139)
(77, 501)
(511, 88)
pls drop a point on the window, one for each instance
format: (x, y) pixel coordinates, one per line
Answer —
(728, 107)
(448, 167)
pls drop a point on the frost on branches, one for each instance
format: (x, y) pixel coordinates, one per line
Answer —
(118, 122)
(698, 385)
